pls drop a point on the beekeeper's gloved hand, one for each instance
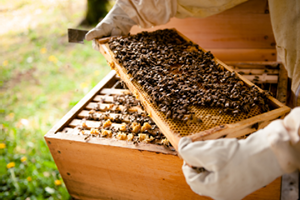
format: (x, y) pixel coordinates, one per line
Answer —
(115, 23)
(236, 168)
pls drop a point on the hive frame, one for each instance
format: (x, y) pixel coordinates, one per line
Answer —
(234, 130)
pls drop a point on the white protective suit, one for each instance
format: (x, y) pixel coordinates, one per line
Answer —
(234, 168)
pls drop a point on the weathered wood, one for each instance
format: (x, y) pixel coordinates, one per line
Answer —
(107, 99)
(253, 64)
(114, 91)
(109, 169)
(262, 78)
(232, 55)
(256, 71)
(90, 124)
(85, 114)
(282, 92)
(105, 106)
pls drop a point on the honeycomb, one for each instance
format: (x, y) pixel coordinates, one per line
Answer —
(210, 116)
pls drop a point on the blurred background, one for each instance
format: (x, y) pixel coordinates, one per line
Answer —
(42, 78)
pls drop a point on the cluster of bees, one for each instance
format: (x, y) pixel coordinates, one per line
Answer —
(177, 74)
(125, 120)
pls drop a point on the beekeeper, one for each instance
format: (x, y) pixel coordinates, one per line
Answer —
(234, 168)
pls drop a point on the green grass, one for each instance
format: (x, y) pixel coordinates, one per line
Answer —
(42, 78)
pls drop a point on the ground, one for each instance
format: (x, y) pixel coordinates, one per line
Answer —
(42, 78)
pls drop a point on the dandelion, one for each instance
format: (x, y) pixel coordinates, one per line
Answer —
(46, 174)
(97, 72)
(57, 182)
(10, 165)
(43, 50)
(83, 85)
(23, 122)
(23, 159)
(10, 116)
(5, 62)
(29, 179)
(52, 59)
(2, 145)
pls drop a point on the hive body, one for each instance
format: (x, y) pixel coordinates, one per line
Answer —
(107, 168)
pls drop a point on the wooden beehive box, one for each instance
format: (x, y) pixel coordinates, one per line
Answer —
(102, 168)
(107, 168)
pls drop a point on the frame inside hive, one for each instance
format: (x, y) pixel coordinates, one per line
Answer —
(66, 128)
(214, 125)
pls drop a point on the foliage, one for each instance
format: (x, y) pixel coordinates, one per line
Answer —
(42, 78)
(96, 11)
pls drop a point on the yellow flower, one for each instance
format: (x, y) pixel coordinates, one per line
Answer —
(57, 182)
(10, 116)
(83, 85)
(97, 72)
(23, 159)
(2, 145)
(5, 62)
(10, 165)
(43, 50)
(52, 59)
(29, 179)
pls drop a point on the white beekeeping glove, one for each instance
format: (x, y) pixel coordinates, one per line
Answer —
(236, 168)
(115, 23)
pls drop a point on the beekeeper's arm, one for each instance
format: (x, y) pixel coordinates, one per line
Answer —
(236, 168)
(149, 13)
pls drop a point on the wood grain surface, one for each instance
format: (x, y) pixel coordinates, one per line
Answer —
(95, 170)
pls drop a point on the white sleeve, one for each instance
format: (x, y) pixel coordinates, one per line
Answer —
(287, 146)
(204, 8)
(149, 13)
(235, 168)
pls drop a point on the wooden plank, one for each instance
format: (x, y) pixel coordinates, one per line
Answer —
(256, 71)
(77, 108)
(100, 172)
(105, 106)
(85, 114)
(241, 128)
(65, 138)
(99, 169)
(107, 99)
(271, 191)
(253, 64)
(114, 91)
(262, 78)
(90, 124)
(282, 87)
(244, 54)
